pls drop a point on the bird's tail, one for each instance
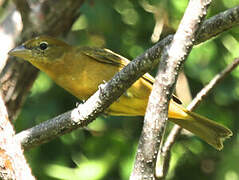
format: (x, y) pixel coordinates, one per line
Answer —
(210, 131)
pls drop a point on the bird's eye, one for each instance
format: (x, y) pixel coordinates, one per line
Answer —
(43, 45)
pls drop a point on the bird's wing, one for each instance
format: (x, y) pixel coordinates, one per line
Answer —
(105, 56)
(109, 57)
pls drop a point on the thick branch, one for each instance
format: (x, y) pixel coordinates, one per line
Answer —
(157, 110)
(12, 161)
(64, 123)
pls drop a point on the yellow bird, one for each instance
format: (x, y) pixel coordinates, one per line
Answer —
(80, 70)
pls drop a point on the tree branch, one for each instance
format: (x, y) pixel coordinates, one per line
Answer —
(13, 164)
(164, 157)
(64, 123)
(218, 24)
(156, 115)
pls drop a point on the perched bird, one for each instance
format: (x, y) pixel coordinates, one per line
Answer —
(80, 70)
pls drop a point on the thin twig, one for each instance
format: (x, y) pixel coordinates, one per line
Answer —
(219, 77)
(156, 116)
(64, 123)
(175, 132)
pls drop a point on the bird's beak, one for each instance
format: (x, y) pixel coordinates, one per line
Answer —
(19, 51)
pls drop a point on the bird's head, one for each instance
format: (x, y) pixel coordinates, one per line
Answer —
(40, 49)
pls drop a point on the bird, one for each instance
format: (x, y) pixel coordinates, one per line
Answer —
(80, 70)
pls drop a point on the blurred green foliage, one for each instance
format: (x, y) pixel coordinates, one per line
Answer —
(108, 151)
